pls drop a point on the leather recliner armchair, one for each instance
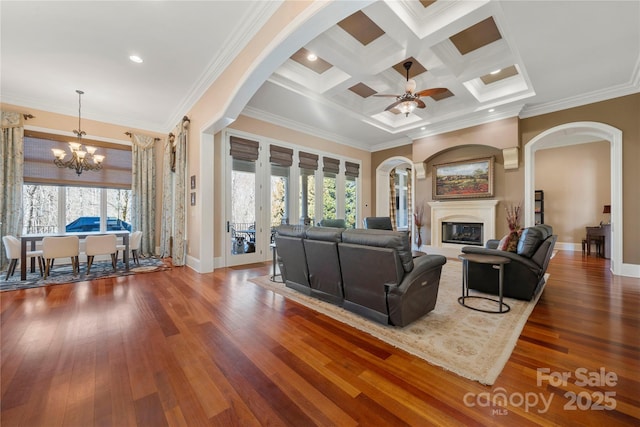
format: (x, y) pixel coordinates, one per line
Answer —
(378, 223)
(382, 281)
(291, 257)
(524, 275)
(323, 264)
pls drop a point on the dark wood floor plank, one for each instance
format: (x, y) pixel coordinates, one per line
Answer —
(177, 348)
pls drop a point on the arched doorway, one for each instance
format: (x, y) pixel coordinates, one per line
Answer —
(382, 182)
(572, 134)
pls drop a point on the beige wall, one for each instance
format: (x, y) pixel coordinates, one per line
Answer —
(622, 113)
(499, 134)
(475, 142)
(503, 183)
(576, 181)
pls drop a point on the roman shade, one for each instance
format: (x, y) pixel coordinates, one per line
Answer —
(331, 165)
(308, 160)
(352, 169)
(40, 169)
(244, 149)
(280, 156)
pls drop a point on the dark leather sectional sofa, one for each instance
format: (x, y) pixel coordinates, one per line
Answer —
(369, 272)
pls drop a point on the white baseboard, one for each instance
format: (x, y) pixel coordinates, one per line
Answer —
(630, 270)
(567, 246)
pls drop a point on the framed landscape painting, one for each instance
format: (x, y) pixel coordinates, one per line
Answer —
(465, 179)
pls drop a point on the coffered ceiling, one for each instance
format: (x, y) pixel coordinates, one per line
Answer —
(495, 58)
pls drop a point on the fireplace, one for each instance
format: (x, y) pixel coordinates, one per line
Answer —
(470, 220)
(464, 233)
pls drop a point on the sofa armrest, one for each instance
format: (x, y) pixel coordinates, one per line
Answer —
(421, 265)
(506, 254)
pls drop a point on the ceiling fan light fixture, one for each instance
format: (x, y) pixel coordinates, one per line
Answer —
(407, 107)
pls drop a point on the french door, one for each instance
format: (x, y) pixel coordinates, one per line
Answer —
(245, 227)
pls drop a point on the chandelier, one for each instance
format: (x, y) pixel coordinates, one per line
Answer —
(81, 159)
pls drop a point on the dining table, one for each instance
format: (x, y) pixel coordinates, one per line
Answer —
(31, 239)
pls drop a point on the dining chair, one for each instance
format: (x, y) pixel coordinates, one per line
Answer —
(60, 247)
(105, 244)
(12, 249)
(134, 246)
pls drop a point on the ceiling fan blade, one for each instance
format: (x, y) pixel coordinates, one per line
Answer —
(392, 106)
(386, 95)
(433, 91)
(420, 103)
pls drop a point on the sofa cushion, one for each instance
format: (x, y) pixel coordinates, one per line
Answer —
(327, 234)
(531, 239)
(398, 240)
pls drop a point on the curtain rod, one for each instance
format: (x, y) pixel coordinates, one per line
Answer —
(129, 134)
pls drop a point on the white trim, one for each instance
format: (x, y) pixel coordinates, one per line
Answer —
(205, 207)
(580, 133)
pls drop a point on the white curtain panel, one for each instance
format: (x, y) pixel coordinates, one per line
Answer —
(11, 177)
(143, 191)
(174, 194)
(166, 230)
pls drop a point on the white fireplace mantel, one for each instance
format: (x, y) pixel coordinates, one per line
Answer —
(483, 211)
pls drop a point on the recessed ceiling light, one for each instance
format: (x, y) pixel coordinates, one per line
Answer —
(312, 57)
(423, 128)
(495, 72)
(136, 59)
(492, 110)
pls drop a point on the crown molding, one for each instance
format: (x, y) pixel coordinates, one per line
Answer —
(476, 119)
(248, 27)
(633, 86)
(118, 120)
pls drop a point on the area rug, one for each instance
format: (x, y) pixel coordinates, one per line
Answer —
(469, 343)
(63, 274)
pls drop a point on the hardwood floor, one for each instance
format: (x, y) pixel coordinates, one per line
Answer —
(177, 348)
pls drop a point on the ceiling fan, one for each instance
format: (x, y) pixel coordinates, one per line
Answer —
(410, 100)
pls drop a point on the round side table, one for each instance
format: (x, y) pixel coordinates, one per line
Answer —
(497, 262)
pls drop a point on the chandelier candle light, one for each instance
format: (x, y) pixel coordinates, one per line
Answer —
(79, 158)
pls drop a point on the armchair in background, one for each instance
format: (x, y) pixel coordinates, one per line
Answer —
(378, 223)
(524, 275)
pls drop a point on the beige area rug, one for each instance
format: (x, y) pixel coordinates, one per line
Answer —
(469, 343)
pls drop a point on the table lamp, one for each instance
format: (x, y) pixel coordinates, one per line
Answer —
(607, 210)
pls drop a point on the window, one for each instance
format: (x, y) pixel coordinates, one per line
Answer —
(351, 201)
(57, 199)
(40, 209)
(56, 209)
(279, 195)
(307, 195)
(402, 214)
(329, 196)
